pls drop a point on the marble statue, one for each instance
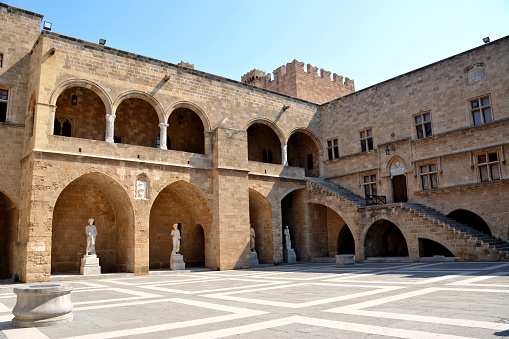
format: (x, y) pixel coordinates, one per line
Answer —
(91, 231)
(288, 241)
(253, 240)
(175, 233)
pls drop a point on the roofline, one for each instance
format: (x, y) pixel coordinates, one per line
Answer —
(24, 11)
(125, 54)
(416, 70)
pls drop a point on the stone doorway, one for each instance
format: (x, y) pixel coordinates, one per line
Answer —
(346, 242)
(384, 239)
(399, 189)
(8, 223)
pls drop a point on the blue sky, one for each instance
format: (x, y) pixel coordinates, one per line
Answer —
(368, 41)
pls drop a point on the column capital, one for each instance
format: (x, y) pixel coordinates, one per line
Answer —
(163, 125)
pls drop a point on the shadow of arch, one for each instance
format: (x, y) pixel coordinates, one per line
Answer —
(78, 82)
(191, 106)
(97, 196)
(430, 248)
(260, 218)
(471, 219)
(346, 242)
(180, 202)
(385, 239)
(133, 94)
(8, 234)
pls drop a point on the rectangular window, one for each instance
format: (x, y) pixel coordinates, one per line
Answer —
(488, 165)
(1, 60)
(4, 96)
(369, 185)
(310, 161)
(366, 137)
(429, 177)
(480, 110)
(422, 123)
(333, 149)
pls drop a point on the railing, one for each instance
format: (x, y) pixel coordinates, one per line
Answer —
(375, 199)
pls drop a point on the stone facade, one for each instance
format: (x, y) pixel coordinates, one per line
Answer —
(139, 144)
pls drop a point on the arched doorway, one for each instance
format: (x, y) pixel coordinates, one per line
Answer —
(99, 197)
(185, 131)
(294, 209)
(303, 152)
(398, 179)
(80, 113)
(260, 217)
(136, 123)
(346, 242)
(8, 229)
(471, 219)
(324, 227)
(263, 144)
(384, 239)
(180, 202)
(430, 248)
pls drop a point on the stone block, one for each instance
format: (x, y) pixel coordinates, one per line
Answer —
(254, 259)
(289, 256)
(343, 260)
(177, 262)
(90, 265)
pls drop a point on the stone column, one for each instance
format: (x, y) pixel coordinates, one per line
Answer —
(110, 127)
(284, 155)
(163, 135)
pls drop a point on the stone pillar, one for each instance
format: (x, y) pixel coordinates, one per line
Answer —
(284, 155)
(321, 165)
(110, 127)
(163, 135)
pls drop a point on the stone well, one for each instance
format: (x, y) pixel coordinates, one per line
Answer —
(345, 260)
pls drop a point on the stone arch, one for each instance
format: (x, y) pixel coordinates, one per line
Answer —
(135, 94)
(429, 247)
(264, 141)
(184, 203)
(345, 241)
(79, 82)
(260, 216)
(471, 219)
(343, 210)
(304, 150)
(8, 234)
(397, 157)
(191, 106)
(385, 239)
(98, 196)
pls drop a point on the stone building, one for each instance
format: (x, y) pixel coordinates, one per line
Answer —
(411, 168)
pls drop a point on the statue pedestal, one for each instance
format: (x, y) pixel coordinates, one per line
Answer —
(177, 262)
(289, 256)
(90, 265)
(254, 259)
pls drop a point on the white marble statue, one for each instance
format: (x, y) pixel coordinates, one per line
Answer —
(175, 233)
(91, 231)
(288, 241)
(253, 240)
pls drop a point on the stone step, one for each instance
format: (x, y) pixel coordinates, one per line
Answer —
(388, 259)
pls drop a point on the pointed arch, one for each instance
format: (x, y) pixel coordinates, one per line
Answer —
(269, 123)
(80, 82)
(191, 106)
(309, 133)
(135, 94)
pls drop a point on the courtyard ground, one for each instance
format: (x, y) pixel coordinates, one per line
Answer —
(375, 300)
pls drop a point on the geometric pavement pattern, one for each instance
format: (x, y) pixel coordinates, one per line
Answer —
(367, 300)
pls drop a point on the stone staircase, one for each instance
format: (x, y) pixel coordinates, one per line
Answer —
(493, 242)
(339, 191)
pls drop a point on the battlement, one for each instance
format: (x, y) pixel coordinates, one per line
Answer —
(302, 81)
(186, 65)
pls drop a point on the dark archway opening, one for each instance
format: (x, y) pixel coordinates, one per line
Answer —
(98, 197)
(430, 248)
(263, 144)
(260, 218)
(384, 239)
(186, 131)
(294, 215)
(136, 123)
(346, 242)
(471, 219)
(80, 113)
(8, 230)
(303, 152)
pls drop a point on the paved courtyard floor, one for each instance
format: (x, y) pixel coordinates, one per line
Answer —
(412, 300)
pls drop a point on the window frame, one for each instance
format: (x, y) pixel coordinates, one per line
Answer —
(422, 124)
(6, 101)
(364, 137)
(333, 148)
(371, 185)
(428, 175)
(488, 165)
(1, 60)
(480, 108)
(72, 121)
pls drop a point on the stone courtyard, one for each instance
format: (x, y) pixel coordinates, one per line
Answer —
(367, 300)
